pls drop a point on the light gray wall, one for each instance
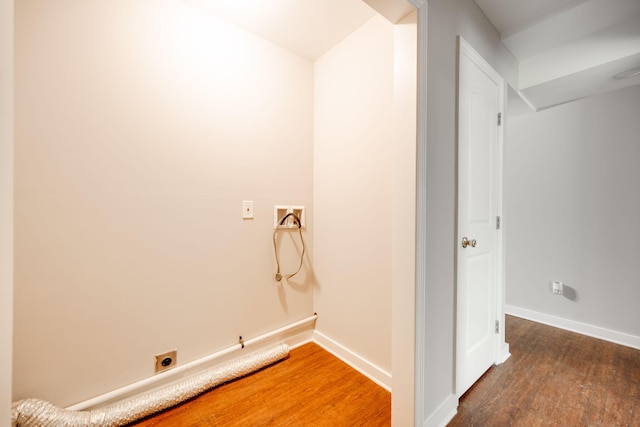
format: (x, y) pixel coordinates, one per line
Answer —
(447, 19)
(572, 201)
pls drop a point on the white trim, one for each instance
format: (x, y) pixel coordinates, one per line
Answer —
(503, 354)
(444, 413)
(6, 206)
(357, 362)
(294, 334)
(421, 215)
(469, 51)
(598, 332)
(418, 4)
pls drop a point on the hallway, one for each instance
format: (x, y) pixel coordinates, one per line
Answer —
(555, 377)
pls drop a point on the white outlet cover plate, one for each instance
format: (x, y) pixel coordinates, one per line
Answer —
(247, 209)
(557, 287)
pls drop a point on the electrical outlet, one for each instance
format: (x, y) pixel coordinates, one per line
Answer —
(247, 209)
(166, 360)
(557, 287)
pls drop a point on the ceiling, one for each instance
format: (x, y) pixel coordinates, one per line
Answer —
(568, 49)
(306, 27)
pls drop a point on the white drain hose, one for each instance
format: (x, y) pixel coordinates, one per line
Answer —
(39, 413)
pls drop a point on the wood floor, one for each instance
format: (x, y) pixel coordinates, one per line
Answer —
(555, 378)
(309, 388)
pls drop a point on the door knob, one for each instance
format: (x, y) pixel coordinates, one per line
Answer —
(466, 242)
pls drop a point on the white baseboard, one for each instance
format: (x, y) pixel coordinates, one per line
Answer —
(294, 335)
(360, 364)
(445, 413)
(504, 354)
(573, 326)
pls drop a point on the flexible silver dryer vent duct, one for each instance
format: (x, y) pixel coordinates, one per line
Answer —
(39, 413)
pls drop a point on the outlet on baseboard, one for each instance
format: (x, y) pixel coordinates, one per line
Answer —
(166, 360)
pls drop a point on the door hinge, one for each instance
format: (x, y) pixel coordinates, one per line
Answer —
(499, 119)
(497, 326)
(498, 223)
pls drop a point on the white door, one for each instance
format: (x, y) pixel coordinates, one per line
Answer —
(480, 91)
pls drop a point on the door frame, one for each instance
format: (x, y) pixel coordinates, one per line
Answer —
(501, 348)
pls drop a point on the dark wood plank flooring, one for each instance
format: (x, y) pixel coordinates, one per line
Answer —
(555, 378)
(309, 388)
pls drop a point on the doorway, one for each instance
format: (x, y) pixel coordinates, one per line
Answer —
(479, 244)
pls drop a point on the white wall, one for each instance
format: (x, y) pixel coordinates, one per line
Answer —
(403, 222)
(364, 193)
(353, 192)
(140, 128)
(447, 19)
(573, 210)
(6, 207)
